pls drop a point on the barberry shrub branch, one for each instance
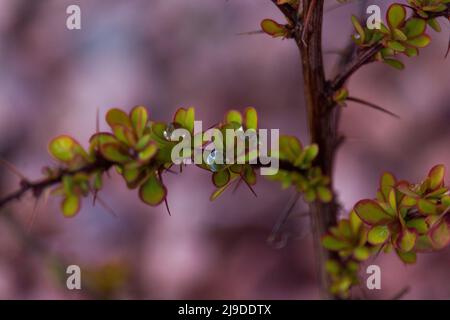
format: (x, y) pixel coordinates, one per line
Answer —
(140, 150)
(404, 217)
(404, 33)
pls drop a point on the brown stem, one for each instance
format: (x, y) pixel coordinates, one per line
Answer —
(361, 59)
(323, 128)
(37, 187)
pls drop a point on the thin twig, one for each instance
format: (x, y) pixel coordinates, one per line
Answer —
(37, 187)
(362, 59)
(401, 294)
(373, 106)
(12, 168)
(283, 218)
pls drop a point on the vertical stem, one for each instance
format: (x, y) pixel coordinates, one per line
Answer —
(323, 127)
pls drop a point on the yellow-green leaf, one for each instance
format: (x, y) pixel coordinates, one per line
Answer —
(62, 148)
(395, 64)
(436, 176)
(407, 257)
(396, 15)
(273, 28)
(148, 153)
(361, 253)
(251, 118)
(387, 182)
(324, 194)
(359, 29)
(372, 213)
(152, 191)
(378, 235)
(406, 240)
(440, 235)
(331, 243)
(420, 41)
(221, 178)
(414, 27)
(114, 152)
(70, 205)
(117, 117)
(233, 116)
(139, 118)
(426, 206)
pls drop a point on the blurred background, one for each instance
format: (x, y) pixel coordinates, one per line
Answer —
(169, 54)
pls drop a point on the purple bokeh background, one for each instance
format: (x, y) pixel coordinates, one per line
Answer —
(168, 54)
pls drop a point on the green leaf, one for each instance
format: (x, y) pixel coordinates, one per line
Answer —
(62, 148)
(233, 116)
(101, 138)
(395, 64)
(133, 176)
(393, 199)
(331, 243)
(399, 35)
(152, 191)
(395, 45)
(340, 95)
(406, 240)
(148, 153)
(404, 187)
(387, 182)
(249, 175)
(309, 195)
(396, 15)
(273, 28)
(324, 194)
(333, 267)
(124, 135)
(219, 191)
(361, 253)
(98, 181)
(359, 29)
(117, 117)
(311, 153)
(157, 133)
(114, 152)
(189, 120)
(221, 178)
(411, 52)
(143, 142)
(419, 224)
(371, 212)
(407, 257)
(426, 206)
(344, 229)
(433, 23)
(251, 118)
(424, 244)
(414, 27)
(355, 222)
(446, 200)
(436, 176)
(139, 118)
(420, 41)
(180, 116)
(440, 235)
(70, 205)
(67, 183)
(378, 235)
(68, 150)
(130, 174)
